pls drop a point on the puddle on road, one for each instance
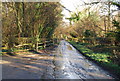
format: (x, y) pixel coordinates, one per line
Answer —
(69, 47)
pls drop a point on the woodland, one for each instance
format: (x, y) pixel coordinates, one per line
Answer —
(94, 31)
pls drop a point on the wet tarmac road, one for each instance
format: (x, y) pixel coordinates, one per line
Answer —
(64, 63)
(73, 65)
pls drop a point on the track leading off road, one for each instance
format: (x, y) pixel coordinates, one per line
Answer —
(64, 63)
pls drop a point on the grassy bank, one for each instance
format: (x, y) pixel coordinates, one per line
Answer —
(102, 58)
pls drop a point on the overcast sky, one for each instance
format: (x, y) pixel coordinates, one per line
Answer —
(73, 4)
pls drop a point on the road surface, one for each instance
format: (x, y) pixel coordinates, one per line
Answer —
(63, 63)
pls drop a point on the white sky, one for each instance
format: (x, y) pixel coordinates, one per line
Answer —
(73, 4)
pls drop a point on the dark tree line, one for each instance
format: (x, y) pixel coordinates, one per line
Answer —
(25, 20)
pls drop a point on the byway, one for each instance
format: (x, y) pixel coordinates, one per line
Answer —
(63, 63)
(71, 64)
